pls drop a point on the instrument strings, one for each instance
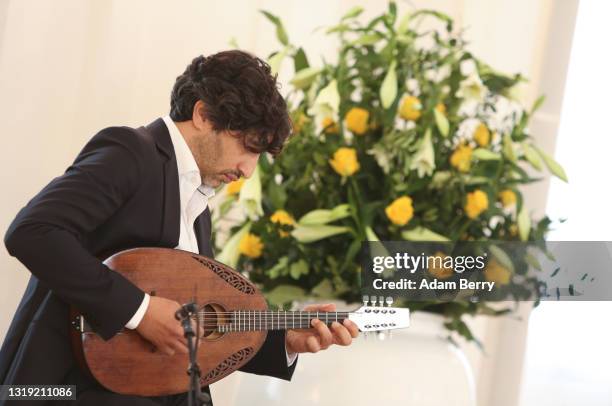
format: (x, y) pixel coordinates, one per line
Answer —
(252, 319)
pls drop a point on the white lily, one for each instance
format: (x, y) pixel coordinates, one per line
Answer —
(468, 67)
(423, 160)
(327, 102)
(472, 88)
(382, 157)
(250, 195)
(413, 87)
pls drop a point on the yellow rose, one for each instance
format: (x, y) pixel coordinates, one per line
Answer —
(461, 158)
(495, 272)
(330, 126)
(437, 268)
(234, 187)
(357, 120)
(400, 211)
(251, 246)
(410, 108)
(477, 202)
(345, 161)
(283, 218)
(441, 108)
(482, 135)
(507, 197)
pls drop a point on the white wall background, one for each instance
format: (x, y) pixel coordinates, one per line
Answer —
(71, 67)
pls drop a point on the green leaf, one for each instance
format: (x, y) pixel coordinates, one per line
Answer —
(275, 60)
(422, 234)
(226, 206)
(441, 122)
(300, 61)
(474, 180)
(370, 234)
(502, 257)
(367, 39)
(552, 165)
(324, 289)
(298, 269)
(388, 89)
(533, 261)
(281, 34)
(277, 195)
(324, 216)
(531, 156)
(404, 22)
(392, 12)
(304, 78)
(350, 254)
(283, 294)
(337, 28)
(524, 224)
(508, 148)
(308, 234)
(278, 269)
(233, 43)
(537, 104)
(352, 13)
(483, 154)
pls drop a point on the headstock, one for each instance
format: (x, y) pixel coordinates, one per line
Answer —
(377, 317)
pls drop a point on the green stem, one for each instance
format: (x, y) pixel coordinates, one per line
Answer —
(354, 188)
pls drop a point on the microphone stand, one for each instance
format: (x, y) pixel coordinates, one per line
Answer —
(195, 395)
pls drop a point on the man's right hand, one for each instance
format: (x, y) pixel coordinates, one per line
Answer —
(161, 328)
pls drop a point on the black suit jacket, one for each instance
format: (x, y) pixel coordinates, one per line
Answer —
(121, 192)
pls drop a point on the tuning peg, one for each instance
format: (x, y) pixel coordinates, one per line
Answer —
(381, 301)
(366, 299)
(389, 301)
(373, 300)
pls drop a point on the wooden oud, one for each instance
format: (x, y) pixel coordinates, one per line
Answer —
(232, 311)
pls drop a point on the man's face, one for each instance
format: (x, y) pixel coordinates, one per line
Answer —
(222, 158)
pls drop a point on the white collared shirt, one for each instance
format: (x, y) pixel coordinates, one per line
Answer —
(194, 198)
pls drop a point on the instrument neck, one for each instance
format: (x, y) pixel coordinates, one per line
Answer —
(256, 320)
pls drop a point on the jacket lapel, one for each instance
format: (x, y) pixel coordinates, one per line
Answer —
(170, 222)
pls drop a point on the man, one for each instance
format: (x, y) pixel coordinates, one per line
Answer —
(145, 187)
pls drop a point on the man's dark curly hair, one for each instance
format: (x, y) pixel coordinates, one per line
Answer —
(240, 95)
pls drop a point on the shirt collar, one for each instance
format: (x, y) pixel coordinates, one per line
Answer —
(184, 158)
(186, 164)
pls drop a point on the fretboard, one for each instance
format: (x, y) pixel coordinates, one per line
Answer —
(254, 320)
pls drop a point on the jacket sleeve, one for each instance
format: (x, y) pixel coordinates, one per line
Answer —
(271, 359)
(48, 235)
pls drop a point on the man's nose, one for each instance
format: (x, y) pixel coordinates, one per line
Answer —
(247, 167)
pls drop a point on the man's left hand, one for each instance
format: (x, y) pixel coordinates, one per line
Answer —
(320, 337)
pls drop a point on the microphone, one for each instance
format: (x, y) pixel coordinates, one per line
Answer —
(185, 311)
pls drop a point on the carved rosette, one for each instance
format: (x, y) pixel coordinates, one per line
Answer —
(228, 365)
(233, 278)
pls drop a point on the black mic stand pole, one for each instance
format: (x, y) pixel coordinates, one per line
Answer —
(195, 395)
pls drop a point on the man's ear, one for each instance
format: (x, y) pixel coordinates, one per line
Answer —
(199, 114)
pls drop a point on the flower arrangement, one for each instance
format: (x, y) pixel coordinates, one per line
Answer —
(407, 136)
